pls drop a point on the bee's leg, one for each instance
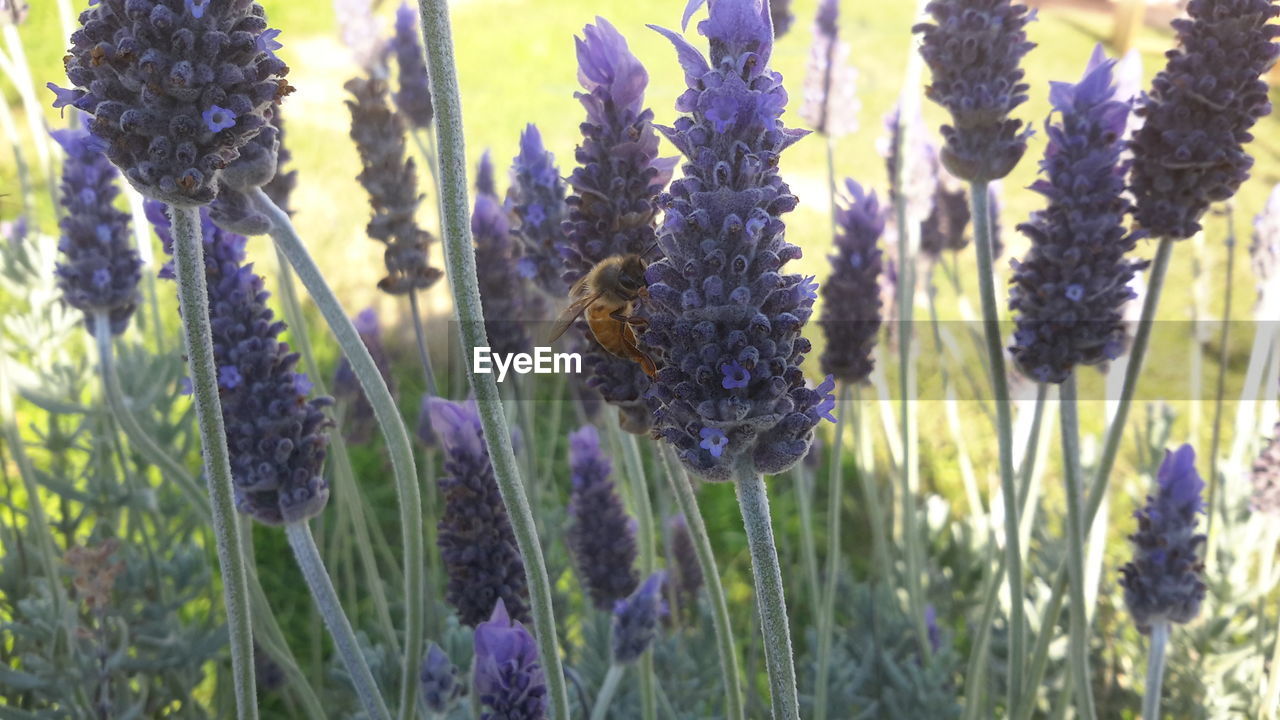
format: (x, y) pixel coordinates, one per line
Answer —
(631, 320)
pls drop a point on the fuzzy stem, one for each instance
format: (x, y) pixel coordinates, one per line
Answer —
(753, 500)
(1079, 634)
(1155, 671)
(193, 297)
(388, 417)
(460, 263)
(835, 498)
(608, 689)
(681, 487)
(1004, 431)
(1220, 389)
(645, 538)
(1110, 448)
(344, 638)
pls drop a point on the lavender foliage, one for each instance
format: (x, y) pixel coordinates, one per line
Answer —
(176, 90)
(1190, 150)
(536, 199)
(973, 49)
(392, 183)
(99, 270)
(723, 316)
(1164, 582)
(1069, 290)
(509, 680)
(830, 100)
(413, 99)
(635, 620)
(601, 536)
(276, 437)
(851, 295)
(476, 542)
(613, 202)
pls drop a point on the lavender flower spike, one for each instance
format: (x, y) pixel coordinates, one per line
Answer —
(851, 295)
(360, 420)
(276, 437)
(175, 90)
(1164, 582)
(414, 97)
(233, 209)
(438, 681)
(830, 103)
(973, 48)
(476, 542)
(1189, 152)
(686, 573)
(99, 271)
(635, 620)
(1070, 289)
(780, 16)
(392, 183)
(503, 292)
(614, 194)
(1266, 476)
(509, 680)
(1264, 249)
(723, 316)
(601, 535)
(536, 199)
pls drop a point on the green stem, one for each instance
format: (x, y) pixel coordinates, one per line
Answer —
(648, 563)
(193, 297)
(678, 479)
(1004, 431)
(420, 335)
(1079, 635)
(803, 489)
(1110, 449)
(1155, 671)
(19, 159)
(375, 389)
(753, 500)
(460, 264)
(608, 689)
(835, 498)
(344, 638)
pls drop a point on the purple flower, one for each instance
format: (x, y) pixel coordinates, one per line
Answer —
(175, 92)
(362, 33)
(601, 535)
(1266, 476)
(1189, 152)
(391, 180)
(234, 209)
(536, 199)
(830, 100)
(486, 184)
(438, 681)
(425, 434)
(720, 295)
(509, 681)
(931, 623)
(1164, 581)
(1069, 290)
(735, 376)
(851, 295)
(475, 538)
(414, 97)
(945, 227)
(358, 417)
(613, 202)
(98, 270)
(973, 48)
(504, 294)
(920, 172)
(1264, 250)
(635, 620)
(685, 572)
(276, 437)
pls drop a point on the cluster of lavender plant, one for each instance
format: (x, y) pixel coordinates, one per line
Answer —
(185, 100)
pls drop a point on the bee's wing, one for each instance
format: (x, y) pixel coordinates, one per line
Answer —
(579, 305)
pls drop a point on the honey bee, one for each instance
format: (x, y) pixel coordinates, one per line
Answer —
(607, 295)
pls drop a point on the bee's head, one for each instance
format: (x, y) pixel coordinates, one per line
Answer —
(631, 275)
